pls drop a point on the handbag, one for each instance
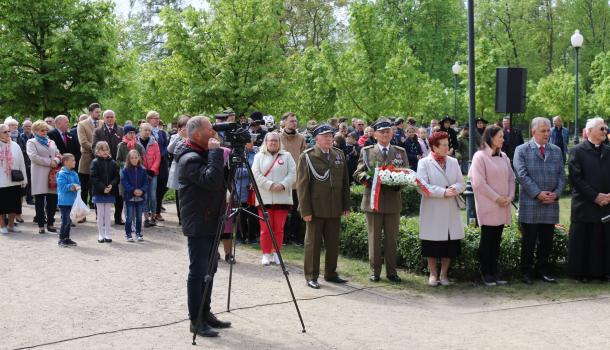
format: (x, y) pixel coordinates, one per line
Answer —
(16, 175)
(52, 179)
(459, 200)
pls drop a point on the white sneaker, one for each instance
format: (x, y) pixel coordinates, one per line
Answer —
(129, 239)
(266, 260)
(140, 238)
(14, 230)
(276, 259)
(3, 230)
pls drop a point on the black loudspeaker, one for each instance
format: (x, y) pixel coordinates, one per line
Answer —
(511, 90)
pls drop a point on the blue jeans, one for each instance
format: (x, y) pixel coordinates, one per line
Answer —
(151, 196)
(64, 231)
(133, 211)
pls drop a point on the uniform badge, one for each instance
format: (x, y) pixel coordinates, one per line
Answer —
(280, 161)
(337, 159)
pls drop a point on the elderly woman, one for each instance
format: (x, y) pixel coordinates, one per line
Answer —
(275, 174)
(440, 222)
(45, 159)
(12, 179)
(13, 132)
(493, 183)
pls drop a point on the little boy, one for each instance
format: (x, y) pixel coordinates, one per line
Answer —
(67, 187)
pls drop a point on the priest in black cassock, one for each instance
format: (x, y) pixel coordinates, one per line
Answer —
(589, 167)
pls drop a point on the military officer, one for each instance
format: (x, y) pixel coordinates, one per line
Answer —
(323, 193)
(387, 217)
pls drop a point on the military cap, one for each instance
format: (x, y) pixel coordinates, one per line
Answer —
(382, 125)
(322, 129)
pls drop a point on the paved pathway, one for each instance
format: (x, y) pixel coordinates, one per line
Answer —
(49, 293)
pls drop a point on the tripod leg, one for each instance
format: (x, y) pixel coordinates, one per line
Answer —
(265, 217)
(236, 221)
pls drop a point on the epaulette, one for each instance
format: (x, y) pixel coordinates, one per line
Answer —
(367, 147)
(337, 149)
(308, 149)
(400, 148)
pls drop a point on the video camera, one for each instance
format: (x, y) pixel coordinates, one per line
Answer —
(235, 134)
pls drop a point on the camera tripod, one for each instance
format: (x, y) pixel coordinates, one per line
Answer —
(237, 160)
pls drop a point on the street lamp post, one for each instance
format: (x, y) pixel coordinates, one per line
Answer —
(577, 40)
(456, 68)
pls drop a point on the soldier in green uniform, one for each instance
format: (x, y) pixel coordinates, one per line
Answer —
(387, 217)
(323, 192)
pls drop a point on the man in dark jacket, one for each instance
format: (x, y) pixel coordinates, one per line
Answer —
(62, 137)
(589, 245)
(512, 138)
(202, 189)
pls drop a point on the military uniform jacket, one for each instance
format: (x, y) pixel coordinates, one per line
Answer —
(322, 185)
(389, 196)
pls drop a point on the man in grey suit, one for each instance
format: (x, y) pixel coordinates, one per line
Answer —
(539, 168)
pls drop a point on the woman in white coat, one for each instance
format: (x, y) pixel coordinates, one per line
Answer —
(440, 222)
(11, 161)
(275, 174)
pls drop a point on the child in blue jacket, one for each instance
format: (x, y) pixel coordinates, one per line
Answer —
(68, 185)
(135, 185)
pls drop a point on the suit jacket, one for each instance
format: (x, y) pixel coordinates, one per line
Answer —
(535, 175)
(85, 131)
(512, 139)
(102, 133)
(389, 197)
(589, 171)
(70, 147)
(322, 184)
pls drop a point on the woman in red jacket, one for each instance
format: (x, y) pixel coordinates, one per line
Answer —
(151, 161)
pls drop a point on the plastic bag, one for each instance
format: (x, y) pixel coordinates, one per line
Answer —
(79, 209)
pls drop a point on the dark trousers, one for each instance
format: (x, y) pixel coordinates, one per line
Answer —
(64, 231)
(28, 188)
(161, 190)
(178, 207)
(118, 208)
(249, 226)
(532, 234)
(201, 250)
(489, 248)
(292, 228)
(85, 187)
(45, 204)
(589, 250)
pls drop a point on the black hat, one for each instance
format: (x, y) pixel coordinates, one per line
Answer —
(129, 128)
(447, 118)
(322, 129)
(256, 115)
(482, 120)
(382, 125)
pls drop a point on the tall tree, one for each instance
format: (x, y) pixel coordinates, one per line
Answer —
(56, 55)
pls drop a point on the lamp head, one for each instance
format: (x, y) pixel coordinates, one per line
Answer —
(456, 68)
(577, 39)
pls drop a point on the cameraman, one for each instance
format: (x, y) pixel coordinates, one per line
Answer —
(202, 190)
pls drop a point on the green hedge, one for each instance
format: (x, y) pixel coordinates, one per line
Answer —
(410, 200)
(354, 244)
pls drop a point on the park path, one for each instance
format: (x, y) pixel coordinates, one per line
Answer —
(49, 293)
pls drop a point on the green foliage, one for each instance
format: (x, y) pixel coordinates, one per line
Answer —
(55, 55)
(600, 90)
(555, 94)
(354, 244)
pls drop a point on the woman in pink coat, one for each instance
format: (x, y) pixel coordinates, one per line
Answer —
(493, 183)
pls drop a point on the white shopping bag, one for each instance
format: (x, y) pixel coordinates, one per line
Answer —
(79, 209)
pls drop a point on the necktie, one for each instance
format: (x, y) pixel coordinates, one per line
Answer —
(385, 153)
(542, 151)
(65, 137)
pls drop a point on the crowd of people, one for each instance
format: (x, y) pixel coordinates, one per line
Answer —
(305, 177)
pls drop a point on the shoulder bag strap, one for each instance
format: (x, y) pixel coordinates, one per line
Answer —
(272, 164)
